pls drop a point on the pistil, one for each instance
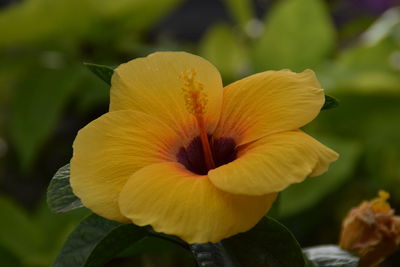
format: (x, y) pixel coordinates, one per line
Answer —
(196, 103)
(208, 157)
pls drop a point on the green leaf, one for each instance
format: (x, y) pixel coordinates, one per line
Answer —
(226, 51)
(45, 20)
(298, 34)
(330, 102)
(365, 69)
(330, 256)
(40, 20)
(7, 258)
(95, 95)
(299, 197)
(37, 105)
(60, 197)
(32, 238)
(103, 72)
(18, 235)
(54, 230)
(240, 10)
(96, 240)
(269, 243)
(145, 12)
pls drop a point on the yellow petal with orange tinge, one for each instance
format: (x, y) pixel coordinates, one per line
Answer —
(273, 163)
(269, 102)
(109, 150)
(175, 201)
(153, 85)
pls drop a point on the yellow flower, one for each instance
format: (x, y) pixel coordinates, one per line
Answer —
(143, 161)
(371, 230)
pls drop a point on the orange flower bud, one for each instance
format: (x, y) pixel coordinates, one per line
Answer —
(371, 230)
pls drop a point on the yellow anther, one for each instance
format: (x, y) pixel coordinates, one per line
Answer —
(195, 97)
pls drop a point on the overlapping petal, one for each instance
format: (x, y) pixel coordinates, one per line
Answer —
(273, 163)
(269, 102)
(109, 150)
(175, 201)
(152, 85)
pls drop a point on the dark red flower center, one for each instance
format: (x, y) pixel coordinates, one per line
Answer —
(192, 156)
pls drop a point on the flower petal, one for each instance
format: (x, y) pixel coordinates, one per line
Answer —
(175, 201)
(109, 150)
(269, 102)
(273, 163)
(152, 85)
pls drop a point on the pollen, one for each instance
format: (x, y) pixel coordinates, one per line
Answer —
(194, 95)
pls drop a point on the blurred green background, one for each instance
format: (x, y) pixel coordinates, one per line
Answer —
(47, 95)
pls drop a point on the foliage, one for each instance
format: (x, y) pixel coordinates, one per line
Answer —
(33, 239)
(46, 95)
(97, 240)
(60, 197)
(298, 34)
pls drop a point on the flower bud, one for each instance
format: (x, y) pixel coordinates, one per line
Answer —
(371, 230)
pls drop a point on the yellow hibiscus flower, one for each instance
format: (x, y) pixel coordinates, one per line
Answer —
(143, 161)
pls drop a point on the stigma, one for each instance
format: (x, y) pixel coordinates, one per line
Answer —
(196, 101)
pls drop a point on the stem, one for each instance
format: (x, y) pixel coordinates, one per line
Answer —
(170, 239)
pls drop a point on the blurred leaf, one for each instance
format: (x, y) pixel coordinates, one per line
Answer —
(368, 69)
(95, 95)
(330, 256)
(299, 197)
(368, 57)
(96, 240)
(372, 120)
(37, 20)
(7, 258)
(60, 197)
(241, 11)
(18, 235)
(269, 243)
(32, 239)
(330, 102)
(382, 27)
(298, 34)
(54, 230)
(34, 21)
(367, 118)
(103, 72)
(371, 65)
(37, 105)
(134, 16)
(226, 51)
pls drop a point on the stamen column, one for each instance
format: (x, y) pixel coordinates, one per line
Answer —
(195, 103)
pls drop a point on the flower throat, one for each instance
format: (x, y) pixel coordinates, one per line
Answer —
(203, 153)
